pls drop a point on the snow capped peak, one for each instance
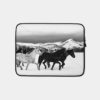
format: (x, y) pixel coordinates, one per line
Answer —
(69, 41)
(71, 44)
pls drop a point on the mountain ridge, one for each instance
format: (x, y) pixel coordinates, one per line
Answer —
(68, 44)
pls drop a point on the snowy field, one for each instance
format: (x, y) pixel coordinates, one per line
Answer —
(73, 66)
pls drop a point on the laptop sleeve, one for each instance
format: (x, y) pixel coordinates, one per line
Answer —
(50, 49)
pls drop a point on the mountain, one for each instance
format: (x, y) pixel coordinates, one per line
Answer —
(71, 44)
(68, 44)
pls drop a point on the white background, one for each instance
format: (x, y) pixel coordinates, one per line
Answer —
(13, 87)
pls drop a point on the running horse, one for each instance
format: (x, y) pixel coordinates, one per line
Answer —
(55, 57)
(28, 58)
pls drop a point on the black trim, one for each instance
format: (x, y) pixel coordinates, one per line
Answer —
(84, 38)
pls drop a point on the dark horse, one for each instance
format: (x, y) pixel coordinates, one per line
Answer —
(55, 57)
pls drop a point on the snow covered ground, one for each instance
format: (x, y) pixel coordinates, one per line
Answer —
(73, 66)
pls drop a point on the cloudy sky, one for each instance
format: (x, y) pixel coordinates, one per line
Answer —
(40, 33)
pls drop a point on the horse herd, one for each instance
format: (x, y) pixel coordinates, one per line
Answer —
(44, 57)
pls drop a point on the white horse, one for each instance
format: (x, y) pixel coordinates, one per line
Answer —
(28, 58)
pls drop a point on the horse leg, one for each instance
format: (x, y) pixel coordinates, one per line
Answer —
(59, 66)
(39, 66)
(48, 64)
(53, 66)
(40, 61)
(27, 66)
(63, 64)
(44, 64)
(20, 65)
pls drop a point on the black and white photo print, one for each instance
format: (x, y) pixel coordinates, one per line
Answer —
(50, 49)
